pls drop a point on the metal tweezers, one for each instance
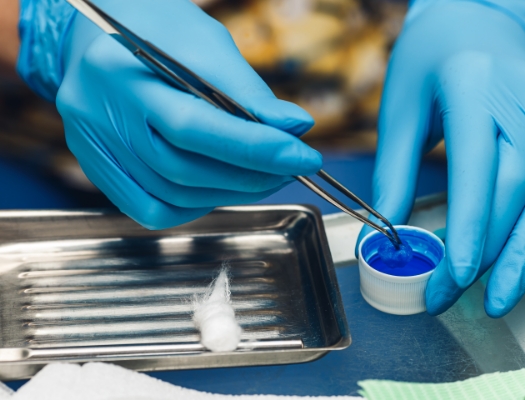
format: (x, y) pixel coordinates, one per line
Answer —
(177, 75)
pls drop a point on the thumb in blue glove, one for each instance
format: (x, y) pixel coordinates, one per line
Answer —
(457, 73)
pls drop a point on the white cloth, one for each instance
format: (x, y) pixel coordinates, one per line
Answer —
(5, 392)
(98, 381)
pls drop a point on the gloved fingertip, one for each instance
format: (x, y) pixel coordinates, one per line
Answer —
(463, 275)
(300, 123)
(436, 303)
(441, 292)
(311, 161)
(293, 158)
(496, 307)
(500, 299)
(433, 313)
(283, 115)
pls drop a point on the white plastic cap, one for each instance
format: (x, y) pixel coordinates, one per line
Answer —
(400, 295)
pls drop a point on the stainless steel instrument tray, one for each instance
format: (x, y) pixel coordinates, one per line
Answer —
(79, 286)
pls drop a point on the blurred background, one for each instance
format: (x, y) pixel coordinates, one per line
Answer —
(328, 56)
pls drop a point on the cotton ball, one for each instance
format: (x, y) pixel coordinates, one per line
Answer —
(219, 330)
(215, 318)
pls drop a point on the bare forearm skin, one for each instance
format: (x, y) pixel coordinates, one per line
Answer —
(9, 41)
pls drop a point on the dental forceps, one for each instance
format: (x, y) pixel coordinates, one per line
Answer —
(180, 77)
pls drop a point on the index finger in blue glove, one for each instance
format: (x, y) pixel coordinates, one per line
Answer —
(169, 109)
(403, 126)
(471, 145)
(194, 125)
(201, 128)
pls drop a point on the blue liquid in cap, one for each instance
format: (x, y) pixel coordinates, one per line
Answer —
(408, 260)
(418, 265)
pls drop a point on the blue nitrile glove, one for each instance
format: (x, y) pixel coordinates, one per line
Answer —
(165, 157)
(458, 72)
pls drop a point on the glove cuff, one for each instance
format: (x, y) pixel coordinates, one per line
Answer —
(42, 28)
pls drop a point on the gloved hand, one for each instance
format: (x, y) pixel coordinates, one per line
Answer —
(163, 156)
(457, 72)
